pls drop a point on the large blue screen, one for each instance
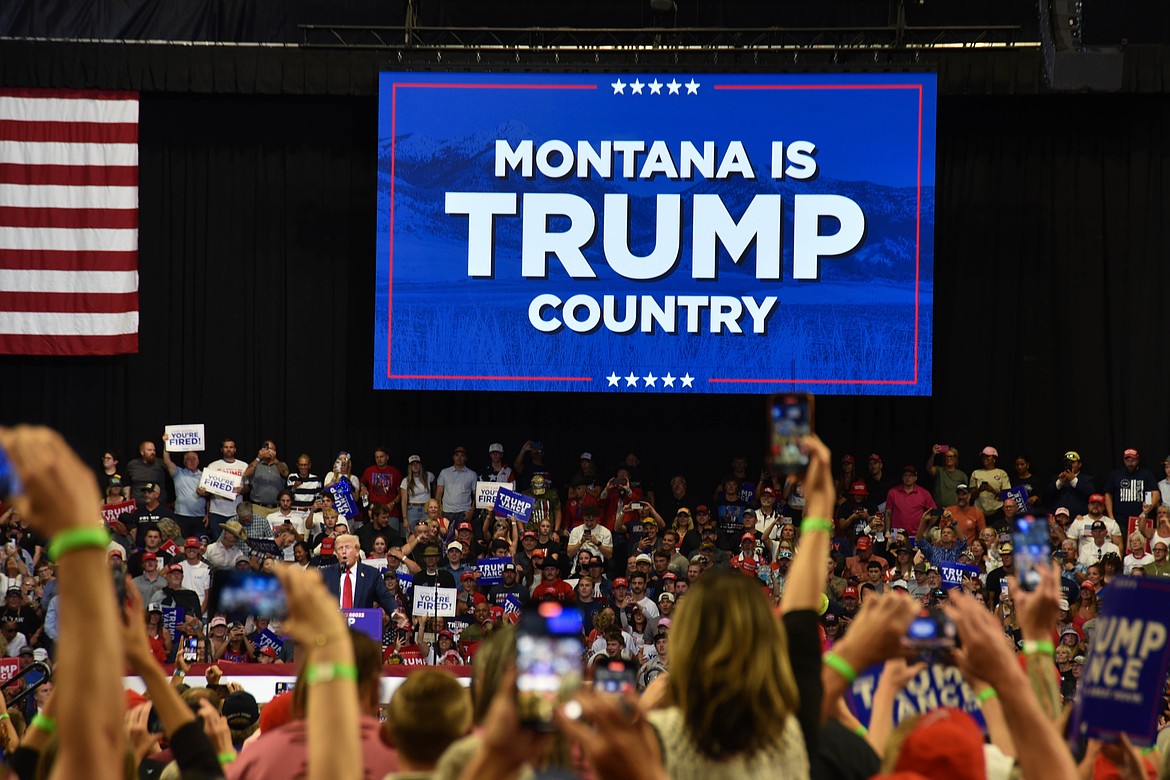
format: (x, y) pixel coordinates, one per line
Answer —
(655, 233)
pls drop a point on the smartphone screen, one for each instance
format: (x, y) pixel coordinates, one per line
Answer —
(254, 593)
(931, 636)
(790, 417)
(1031, 547)
(548, 661)
(615, 676)
(191, 650)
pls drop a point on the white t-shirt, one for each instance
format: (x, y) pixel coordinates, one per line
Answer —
(599, 535)
(276, 520)
(225, 507)
(1131, 561)
(1093, 554)
(1080, 531)
(416, 493)
(196, 577)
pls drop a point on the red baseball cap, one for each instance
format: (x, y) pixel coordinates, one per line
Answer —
(858, 489)
(849, 593)
(327, 546)
(1098, 497)
(191, 541)
(864, 543)
(621, 582)
(748, 537)
(945, 743)
(464, 527)
(1130, 453)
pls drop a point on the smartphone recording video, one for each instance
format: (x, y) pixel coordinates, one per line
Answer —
(548, 661)
(790, 417)
(253, 593)
(615, 676)
(1032, 550)
(931, 636)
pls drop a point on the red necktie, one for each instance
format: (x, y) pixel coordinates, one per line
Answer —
(347, 592)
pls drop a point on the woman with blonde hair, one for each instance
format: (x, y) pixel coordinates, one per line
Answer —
(732, 686)
(1137, 554)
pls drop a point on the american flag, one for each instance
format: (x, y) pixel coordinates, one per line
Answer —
(68, 222)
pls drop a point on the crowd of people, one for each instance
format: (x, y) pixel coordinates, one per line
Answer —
(719, 596)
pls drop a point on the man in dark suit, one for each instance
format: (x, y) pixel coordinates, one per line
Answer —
(354, 584)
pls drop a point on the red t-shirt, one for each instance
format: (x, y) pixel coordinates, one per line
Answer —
(557, 590)
(383, 484)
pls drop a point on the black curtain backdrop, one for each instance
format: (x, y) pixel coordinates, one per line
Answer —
(257, 255)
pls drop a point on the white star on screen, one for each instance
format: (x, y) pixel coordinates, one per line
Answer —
(631, 380)
(636, 86)
(672, 87)
(650, 379)
(692, 87)
(613, 379)
(668, 380)
(655, 87)
(687, 379)
(619, 87)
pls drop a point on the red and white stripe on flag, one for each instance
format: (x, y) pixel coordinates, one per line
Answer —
(68, 222)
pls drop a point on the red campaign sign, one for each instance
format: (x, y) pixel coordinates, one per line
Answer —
(170, 548)
(111, 512)
(8, 668)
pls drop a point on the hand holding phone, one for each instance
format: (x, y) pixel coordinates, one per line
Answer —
(790, 418)
(548, 661)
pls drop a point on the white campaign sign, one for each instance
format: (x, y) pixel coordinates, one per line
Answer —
(434, 601)
(221, 483)
(185, 438)
(485, 493)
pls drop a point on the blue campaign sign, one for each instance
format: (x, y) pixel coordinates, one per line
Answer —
(1019, 493)
(343, 501)
(406, 582)
(268, 639)
(655, 233)
(512, 604)
(367, 621)
(172, 619)
(512, 504)
(490, 571)
(935, 686)
(1124, 675)
(953, 573)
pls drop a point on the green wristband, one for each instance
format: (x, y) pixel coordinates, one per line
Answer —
(812, 524)
(1038, 647)
(4, 715)
(66, 542)
(986, 695)
(840, 666)
(225, 758)
(860, 731)
(44, 723)
(323, 673)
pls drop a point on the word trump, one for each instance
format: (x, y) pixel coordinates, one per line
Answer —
(1121, 649)
(759, 229)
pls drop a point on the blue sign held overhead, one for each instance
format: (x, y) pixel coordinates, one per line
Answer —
(635, 235)
(343, 500)
(1125, 673)
(953, 573)
(516, 505)
(935, 686)
(490, 571)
